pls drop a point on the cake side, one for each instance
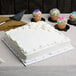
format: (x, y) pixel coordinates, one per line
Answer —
(14, 46)
(38, 56)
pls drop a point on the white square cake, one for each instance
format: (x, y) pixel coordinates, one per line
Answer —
(36, 41)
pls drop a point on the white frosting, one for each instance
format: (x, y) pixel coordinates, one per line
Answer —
(36, 36)
(1, 60)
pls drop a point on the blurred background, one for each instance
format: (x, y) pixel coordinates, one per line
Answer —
(14, 6)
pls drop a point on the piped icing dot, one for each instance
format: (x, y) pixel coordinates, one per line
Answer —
(54, 12)
(36, 13)
(62, 19)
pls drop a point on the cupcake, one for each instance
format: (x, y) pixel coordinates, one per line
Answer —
(37, 15)
(54, 14)
(72, 17)
(62, 22)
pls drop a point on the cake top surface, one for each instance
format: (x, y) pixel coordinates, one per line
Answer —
(36, 36)
(54, 12)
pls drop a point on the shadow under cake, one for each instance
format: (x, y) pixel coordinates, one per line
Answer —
(72, 22)
(49, 19)
(67, 28)
(42, 19)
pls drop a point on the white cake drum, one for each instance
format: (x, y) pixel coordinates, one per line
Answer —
(36, 41)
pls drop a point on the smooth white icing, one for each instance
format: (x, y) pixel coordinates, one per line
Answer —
(36, 36)
(1, 60)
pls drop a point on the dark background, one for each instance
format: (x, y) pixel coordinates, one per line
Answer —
(14, 6)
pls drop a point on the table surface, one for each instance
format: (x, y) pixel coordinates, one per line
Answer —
(65, 59)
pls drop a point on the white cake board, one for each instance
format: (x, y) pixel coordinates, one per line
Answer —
(60, 51)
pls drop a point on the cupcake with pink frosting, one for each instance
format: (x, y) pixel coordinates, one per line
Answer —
(62, 22)
(54, 14)
(37, 15)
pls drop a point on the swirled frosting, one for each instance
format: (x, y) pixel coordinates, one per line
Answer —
(62, 19)
(73, 16)
(54, 12)
(36, 13)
